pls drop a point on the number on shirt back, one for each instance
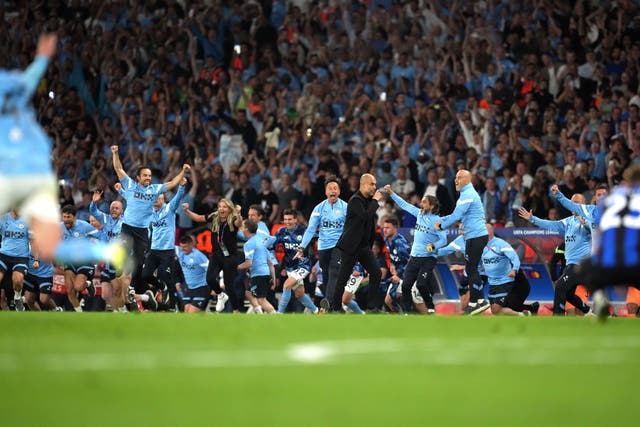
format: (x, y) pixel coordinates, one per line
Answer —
(615, 205)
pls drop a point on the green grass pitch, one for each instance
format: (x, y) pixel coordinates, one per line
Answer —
(295, 370)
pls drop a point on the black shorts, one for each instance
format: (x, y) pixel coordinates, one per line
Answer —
(197, 297)
(499, 294)
(516, 293)
(36, 284)
(260, 286)
(13, 263)
(107, 275)
(87, 270)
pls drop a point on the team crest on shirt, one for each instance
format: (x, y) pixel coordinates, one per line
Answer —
(337, 211)
(148, 191)
(76, 234)
(20, 225)
(190, 260)
(299, 237)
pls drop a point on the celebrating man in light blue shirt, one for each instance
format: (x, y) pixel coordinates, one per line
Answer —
(577, 241)
(470, 212)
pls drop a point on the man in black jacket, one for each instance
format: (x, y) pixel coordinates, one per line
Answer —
(355, 243)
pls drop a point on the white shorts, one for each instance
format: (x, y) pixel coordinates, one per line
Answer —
(32, 196)
(299, 274)
(353, 284)
(415, 295)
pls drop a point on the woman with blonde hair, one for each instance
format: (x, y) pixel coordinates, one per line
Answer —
(224, 224)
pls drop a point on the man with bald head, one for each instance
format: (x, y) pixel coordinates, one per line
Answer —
(577, 241)
(355, 244)
(470, 212)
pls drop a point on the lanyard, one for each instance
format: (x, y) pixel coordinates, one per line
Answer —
(221, 231)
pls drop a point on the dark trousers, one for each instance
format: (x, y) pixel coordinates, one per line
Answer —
(419, 270)
(519, 293)
(473, 254)
(229, 267)
(162, 261)
(566, 290)
(368, 261)
(137, 241)
(329, 263)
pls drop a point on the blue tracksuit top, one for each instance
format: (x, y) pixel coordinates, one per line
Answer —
(470, 211)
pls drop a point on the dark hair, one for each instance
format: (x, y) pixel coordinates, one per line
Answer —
(186, 238)
(331, 178)
(141, 168)
(69, 209)
(251, 226)
(602, 186)
(290, 212)
(393, 221)
(258, 209)
(435, 204)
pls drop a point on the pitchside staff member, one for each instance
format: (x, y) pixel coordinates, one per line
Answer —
(327, 220)
(355, 244)
(470, 211)
(140, 196)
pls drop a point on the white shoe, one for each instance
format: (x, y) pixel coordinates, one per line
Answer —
(251, 310)
(258, 310)
(222, 300)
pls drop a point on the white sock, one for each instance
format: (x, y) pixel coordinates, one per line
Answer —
(259, 310)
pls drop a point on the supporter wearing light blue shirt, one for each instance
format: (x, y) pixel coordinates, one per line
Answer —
(500, 264)
(470, 212)
(140, 196)
(112, 221)
(327, 220)
(577, 242)
(163, 221)
(194, 266)
(256, 260)
(426, 242)
(15, 236)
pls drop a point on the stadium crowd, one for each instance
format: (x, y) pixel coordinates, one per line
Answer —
(265, 99)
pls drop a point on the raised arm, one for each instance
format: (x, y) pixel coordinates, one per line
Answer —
(44, 52)
(178, 178)
(585, 211)
(100, 216)
(117, 164)
(173, 204)
(403, 204)
(194, 216)
(542, 223)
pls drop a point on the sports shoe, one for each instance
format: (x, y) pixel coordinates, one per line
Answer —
(258, 309)
(222, 300)
(19, 305)
(600, 305)
(58, 309)
(478, 308)
(152, 304)
(535, 306)
(91, 288)
(431, 311)
(163, 297)
(325, 305)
